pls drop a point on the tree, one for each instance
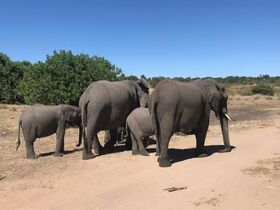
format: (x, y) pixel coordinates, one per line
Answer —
(131, 77)
(155, 80)
(11, 74)
(64, 77)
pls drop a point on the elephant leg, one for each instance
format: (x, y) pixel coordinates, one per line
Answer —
(30, 153)
(87, 150)
(200, 135)
(141, 147)
(135, 150)
(163, 158)
(98, 149)
(109, 146)
(200, 151)
(59, 150)
(157, 148)
(165, 135)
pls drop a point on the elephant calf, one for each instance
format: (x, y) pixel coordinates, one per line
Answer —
(138, 126)
(41, 121)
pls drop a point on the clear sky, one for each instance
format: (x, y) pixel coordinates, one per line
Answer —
(185, 38)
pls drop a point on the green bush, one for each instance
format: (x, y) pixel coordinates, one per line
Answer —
(155, 80)
(64, 77)
(263, 89)
(11, 74)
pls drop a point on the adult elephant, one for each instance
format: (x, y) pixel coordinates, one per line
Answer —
(42, 120)
(105, 106)
(178, 105)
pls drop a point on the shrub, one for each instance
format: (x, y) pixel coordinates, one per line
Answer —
(10, 75)
(263, 89)
(64, 77)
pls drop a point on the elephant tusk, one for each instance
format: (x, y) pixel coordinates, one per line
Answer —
(227, 116)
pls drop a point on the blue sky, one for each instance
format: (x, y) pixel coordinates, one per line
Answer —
(152, 37)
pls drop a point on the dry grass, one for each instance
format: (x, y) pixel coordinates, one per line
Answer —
(243, 90)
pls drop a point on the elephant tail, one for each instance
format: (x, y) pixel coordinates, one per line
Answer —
(18, 141)
(153, 112)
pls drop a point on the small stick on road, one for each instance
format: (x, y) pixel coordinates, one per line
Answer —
(172, 189)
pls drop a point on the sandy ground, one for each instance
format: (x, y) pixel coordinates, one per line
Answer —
(246, 178)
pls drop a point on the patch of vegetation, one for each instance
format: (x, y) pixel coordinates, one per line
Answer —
(63, 77)
(263, 89)
(243, 90)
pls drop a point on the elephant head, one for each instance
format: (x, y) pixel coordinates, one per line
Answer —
(217, 98)
(72, 116)
(143, 92)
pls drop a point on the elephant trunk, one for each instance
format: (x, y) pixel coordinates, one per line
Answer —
(224, 127)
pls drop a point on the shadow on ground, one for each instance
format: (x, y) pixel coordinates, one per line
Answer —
(178, 155)
(46, 154)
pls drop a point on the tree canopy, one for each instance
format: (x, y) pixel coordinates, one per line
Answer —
(60, 79)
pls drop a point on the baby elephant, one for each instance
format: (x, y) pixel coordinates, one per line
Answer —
(41, 121)
(138, 126)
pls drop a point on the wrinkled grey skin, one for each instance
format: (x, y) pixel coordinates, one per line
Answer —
(138, 126)
(186, 105)
(41, 121)
(105, 106)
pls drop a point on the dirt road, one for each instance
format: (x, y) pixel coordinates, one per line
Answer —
(246, 178)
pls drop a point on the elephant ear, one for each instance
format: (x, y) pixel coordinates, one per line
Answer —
(142, 92)
(218, 99)
(143, 85)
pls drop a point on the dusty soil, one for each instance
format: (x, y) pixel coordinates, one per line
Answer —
(246, 178)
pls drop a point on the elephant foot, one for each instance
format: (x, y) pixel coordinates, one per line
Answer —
(144, 152)
(135, 152)
(201, 153)
(88, 156)
(164, 162)
(58, 154)
(32, 156)
(226, 149)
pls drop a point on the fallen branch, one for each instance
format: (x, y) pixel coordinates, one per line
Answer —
(2, 177)
(172, 189)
